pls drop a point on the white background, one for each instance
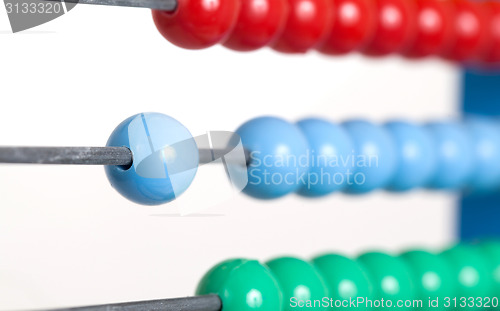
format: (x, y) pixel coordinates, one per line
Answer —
(67, 238)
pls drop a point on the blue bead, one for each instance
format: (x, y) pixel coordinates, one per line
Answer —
(455, 160)
(165, 159)
(486, 147)
(330, 149)
(374, 156)
(416, 154)
(278, 156)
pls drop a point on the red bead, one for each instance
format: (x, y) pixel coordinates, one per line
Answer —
(492, 51)
(259, 23)
(198, 24)
(352, 26)
(468, 31)
(433, 27)
(308, 23)
(395, 25)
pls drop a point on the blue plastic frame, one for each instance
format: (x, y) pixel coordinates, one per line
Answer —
(479, 215)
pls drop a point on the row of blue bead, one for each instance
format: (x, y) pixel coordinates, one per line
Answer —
(315, 157)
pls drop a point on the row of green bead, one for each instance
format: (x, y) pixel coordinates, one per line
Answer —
(288, 283)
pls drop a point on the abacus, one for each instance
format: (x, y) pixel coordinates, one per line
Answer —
(152, 159)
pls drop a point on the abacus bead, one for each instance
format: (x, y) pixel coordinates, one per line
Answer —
(468, 31)
(394, 27)
(469, 272)
(308, 23)
(432, 277)
(242, 285)
(485, 135)
(389, 275)
(259, 23)
(165, 159)
(329, 147)
(432, 31)
(278, 150)
(374, 156)
(416, 155)
(455, 160)
(345, 278)
(352, 25)
(197, 24)
(300, 282)
(490, 250)
(492, 50)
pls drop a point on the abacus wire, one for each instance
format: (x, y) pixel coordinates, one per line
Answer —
(85, 155)
(197, 303)
(164, 5)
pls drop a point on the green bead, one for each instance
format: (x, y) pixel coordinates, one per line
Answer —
(346, 280)
(242, 285)
(390, 277)
(470, 272)
(303, 287)
(491, 252)
(432, 278)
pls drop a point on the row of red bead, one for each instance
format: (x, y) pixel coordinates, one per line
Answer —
(459, 30)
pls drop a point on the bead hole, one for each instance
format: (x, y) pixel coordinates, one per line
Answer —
(128, 166)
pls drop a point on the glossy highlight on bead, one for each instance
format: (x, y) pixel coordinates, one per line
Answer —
(486, 148)
(389, 275)
(308, 24)
(469, 271)
(259, 24)
(197, 24)
(305, 283)
(243, 285)
(468, 33)
(431, 274)
(416, 154)
(455, 159)
(433, 29)
(395, 26)
(345, 278)
(353, 25)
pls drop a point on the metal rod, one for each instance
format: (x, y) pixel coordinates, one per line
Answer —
(84, 155)
(198, 303)
(164, 5)
(67, 155)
